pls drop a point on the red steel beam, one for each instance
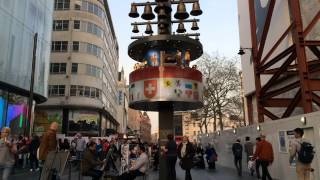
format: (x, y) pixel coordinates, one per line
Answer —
(278, 102)
(266, 29)
(253, 29)
(314, 84)
(311, 24)
(281, 90)
(276, 59)
(316, 99)
(282, 69)
(297, 36)
(315, 51)
(275, 46)
(310, 43)
(294, 103)
(269, 114)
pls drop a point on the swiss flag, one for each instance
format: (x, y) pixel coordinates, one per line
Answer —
(150, 88)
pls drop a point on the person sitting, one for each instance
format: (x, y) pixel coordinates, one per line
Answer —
(90, 163)
(140, 166)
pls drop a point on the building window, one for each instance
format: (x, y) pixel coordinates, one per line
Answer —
(59, 46)
(77, 7)
(74, 68)
(61, 4)
(85, 91)
(76, 24)
(60, 25)
(94, 71)
(56, 90)
(58, 68)
(75, 46)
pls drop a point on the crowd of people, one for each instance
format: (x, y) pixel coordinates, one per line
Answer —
(128, 159)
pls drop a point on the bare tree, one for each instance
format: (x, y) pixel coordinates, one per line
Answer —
(222, 89)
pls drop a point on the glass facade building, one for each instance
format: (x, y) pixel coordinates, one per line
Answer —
(19, 21)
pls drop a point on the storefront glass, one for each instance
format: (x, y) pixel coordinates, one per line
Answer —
(86, 122)
(44, 118)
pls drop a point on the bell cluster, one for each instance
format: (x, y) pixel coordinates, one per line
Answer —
(163, 10)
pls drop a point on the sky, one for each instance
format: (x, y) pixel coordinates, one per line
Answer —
(218, 28)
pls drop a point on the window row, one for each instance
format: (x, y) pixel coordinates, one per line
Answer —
(60, 25)
(56, 90)
(85, 91)
(94, 71)
(93, 8)
(61, 4)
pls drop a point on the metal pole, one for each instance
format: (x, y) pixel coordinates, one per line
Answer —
(27, 127)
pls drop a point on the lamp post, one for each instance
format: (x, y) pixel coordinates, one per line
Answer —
(163, 81)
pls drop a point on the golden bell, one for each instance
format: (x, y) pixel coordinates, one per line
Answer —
(162, 13)
(194, 26)
(147, 13)
(164, 6)
(149, 29)
(135, 29)
(181, 28)
(181, 11)
(196, 11)
(134, 12)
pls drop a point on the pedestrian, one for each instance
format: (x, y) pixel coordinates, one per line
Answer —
(248, 148)
(302, 151)
(34, 145)
(171, 157)
(156, 156)
(80, 146)
(185, 154)
(264, 152)
(48, 143)
(211, 156)
(258, 164)
(90, 162)
(7, 152)
(237, 150)
(140, 166)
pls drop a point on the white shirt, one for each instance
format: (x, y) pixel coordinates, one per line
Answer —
(141, 163)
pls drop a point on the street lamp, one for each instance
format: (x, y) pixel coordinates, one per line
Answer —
(242, 52)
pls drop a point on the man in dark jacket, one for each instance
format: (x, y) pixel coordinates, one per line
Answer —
(185, 154)
(34, 145)
(237, 153)
(171, 157)
(90, 161)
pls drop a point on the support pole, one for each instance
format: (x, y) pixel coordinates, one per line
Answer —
(27, 124)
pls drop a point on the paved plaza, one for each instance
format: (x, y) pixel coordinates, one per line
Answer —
(220, 173)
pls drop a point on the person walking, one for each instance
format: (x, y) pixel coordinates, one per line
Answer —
(302, 151)
(185, 154)
(34, 145)
(264, 152)
(7, 152)
(237, 150)
(80, 146)
(48, 142)
(211, 156)
(171, 157)
(258, 164)
(248, 148)
(90, 162)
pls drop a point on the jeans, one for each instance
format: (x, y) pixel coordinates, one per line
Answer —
(188, 174)
(34, 163)
(171, 167)
(258, 163)
(238, 164)
(265, 171)
(79, 155)
(6, 170)
(95, 174)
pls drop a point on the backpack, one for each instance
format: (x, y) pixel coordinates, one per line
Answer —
(306, 153)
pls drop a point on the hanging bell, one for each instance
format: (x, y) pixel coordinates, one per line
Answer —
(135, 29)
(149, 29)
(194, 26)
(162, 14)
(164, 6)
(196, 11)
(181, 11)
(134, 12)
(147, 13)
(181, 28)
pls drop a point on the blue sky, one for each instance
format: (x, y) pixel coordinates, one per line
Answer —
(218, 28)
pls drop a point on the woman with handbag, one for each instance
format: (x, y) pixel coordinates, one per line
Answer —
(185, 154)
